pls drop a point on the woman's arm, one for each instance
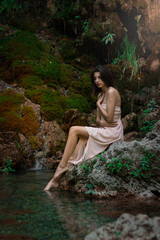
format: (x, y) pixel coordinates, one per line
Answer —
(108, 114)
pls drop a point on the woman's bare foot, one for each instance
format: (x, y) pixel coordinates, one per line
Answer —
(51, 184)
(54, 181)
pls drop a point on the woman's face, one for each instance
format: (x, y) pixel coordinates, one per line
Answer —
(98, 81)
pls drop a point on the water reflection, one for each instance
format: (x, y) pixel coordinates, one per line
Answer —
(27, 212)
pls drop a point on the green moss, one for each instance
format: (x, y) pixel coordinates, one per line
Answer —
(15, 118)
(79, 102)
(67, 76)
(30, 124)
(10, 102)
(31, 81)
(85, 84)
(33, 141)
(53, 104)
(47, 68)
(67, 49)
(21, 46)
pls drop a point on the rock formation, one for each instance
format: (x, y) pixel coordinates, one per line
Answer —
(126, 168)
(129, 227)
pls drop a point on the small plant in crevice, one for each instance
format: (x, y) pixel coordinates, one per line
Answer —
(7, 168)
(128, 56)
(147, 168)
(90, 188)
(147, 126)
(101, 157)
(118, 164)
(109, 37)
(151, 106)
(88, 167)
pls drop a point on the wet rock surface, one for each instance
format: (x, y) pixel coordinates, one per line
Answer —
(129, 227)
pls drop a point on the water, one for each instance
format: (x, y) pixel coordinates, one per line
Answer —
(27, 212)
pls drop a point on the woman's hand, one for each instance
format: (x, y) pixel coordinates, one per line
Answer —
(100, 99)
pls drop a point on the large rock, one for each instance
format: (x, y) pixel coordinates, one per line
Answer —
(9, 143)
(126, 169)
(129, 227)
(37, 143)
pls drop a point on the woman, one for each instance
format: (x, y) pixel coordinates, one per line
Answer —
(86, 142)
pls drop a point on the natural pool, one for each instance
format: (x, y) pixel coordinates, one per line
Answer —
(27, 212)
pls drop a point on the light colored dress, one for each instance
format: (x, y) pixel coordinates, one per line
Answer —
(99, 139)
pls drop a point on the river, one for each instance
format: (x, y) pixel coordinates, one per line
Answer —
(27, 212)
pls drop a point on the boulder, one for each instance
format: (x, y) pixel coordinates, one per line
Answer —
(129, 122)
(128, 227)
(125, 169)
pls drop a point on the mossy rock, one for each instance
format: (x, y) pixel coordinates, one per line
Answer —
(13, 117)
(10, 103)
(23, 54)
(47, 67)
(21, 46)
(67, 49)
(79, 102)
(31, 81)
(68, 78)
(30, 124)
(53, 103)
(85, 83)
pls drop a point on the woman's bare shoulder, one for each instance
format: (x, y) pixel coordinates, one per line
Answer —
(112, 91)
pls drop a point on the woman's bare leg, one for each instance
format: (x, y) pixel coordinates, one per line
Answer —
(74, 133)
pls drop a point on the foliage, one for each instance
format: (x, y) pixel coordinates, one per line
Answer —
(11, 9)
(151, 105)
(147, 126)
(145, 167)
(7, 168)
(128, 55)
(109, 37)
(88, 167)
(90, 188)
(85, 26)
(65, 10)
(11, 6)
(118, 163)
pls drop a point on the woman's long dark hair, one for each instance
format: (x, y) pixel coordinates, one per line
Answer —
(105, 76)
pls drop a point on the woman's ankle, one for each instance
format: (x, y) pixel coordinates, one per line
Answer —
(62, 165)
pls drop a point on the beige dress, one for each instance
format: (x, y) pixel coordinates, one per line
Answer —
(99, 139)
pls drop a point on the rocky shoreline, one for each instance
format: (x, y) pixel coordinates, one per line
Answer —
(125, 169)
